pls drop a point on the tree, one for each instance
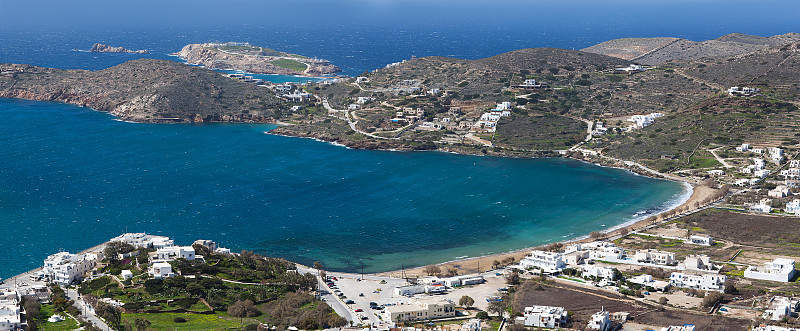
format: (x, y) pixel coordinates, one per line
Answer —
(512, 278)
(318, 265)
(141, 324)
(496, 307)
(466, 301)
(730, 288)
(433, 270)
(663, 300)
(451, 272)
(712, 299)
(242, 309)
(482, 315)
(495, 264)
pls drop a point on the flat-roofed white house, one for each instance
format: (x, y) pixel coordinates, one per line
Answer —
(793, 207)
(600, 272)
(11, 312)
(698, 263)
(655, 256)
(646, 280)
(704, 282)
(700, 239)
(600, 321)
(549, 262)
(172, 253)
(544, 317)
(779, 192)
(420, 309)
(779, 270)
(780, 307)
(144, 240)
(161, 270)
(408, 290)
(126, 274)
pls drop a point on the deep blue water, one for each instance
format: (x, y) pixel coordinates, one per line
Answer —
(72, 177)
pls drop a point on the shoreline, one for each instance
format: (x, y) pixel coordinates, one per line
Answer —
(698, 192)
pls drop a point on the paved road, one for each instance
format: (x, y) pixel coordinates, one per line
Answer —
(87, 312)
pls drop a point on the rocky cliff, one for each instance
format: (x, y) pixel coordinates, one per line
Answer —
(100, 48)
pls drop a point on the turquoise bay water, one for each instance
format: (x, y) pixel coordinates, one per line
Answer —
(72, 177)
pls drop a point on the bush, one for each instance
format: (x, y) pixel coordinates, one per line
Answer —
(482, 315)
(712, 299)
(179, 319)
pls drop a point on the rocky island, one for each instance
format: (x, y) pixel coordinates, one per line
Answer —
(100, 48)
(255, 59)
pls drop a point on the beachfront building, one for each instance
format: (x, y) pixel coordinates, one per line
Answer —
(601, 321)
(548, 262)
(698, 263)
(700, 239)
(409, 290)
(161, 270)
(780, 307)
(172, 253)
(699, 282)
(655, 256)
(646, 280)
(64, 268)
(144, 240)
(779, 270)
(543, 317)
(10, 311)
(419, 310)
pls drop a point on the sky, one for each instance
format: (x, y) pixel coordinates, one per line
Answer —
(654, 15)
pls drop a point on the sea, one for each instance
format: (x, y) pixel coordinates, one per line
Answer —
(72, 177)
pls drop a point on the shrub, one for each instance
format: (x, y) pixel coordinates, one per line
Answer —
(179, 319)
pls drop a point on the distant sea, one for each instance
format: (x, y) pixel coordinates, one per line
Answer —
(72, 177)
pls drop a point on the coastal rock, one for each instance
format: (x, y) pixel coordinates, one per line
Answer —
(100, 48)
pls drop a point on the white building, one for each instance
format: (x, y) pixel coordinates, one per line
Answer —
(172, 253)
(780, 307)
(779, 192)
(10, 311)
(794, 164)
(600, 321)
(716, 172)
(362, 80)
(65, 268)
(700, 239)
(742, 91)
(544, 317)
(793, 207)
(743, 148)
(698, 263)
(779, 270)
(701, 282)
(762, 173)
(420, 309)
(409, 290)
(685, 327)
(363, 100)
(641, 121)
(646, 280)
(791, 173)
(773, 328)
(600, 272)
(161, 270)
(473, 324)
(126, 274)
(655, 256)
(763, 206)
(143, 240)
(548, 262)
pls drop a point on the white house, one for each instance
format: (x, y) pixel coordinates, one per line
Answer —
(793, 207)
(600, 321)
(780, 307)
(473, 324)
(779, 270)
(161, 270)
(126, 274)
(544, 317)
(362, 80)
(172, 253)
(762, 173)
(10, 311)
(685, 327)
(774, 328)
(698, 263)
(763, 206)
(420, 309)
(549, 262)
(779, 192)
(742, 91)
(791, 173)
(794, 164)
(743, 148)
(600, 272)
(65, 268)
(409, 290)
(646, 280)
(363, 100)
(655, 256)
(701, 282)
(434, 91)
(716, 172)
(143, 240)
(700, 239)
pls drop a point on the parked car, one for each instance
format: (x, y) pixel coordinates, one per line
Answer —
(359, 310)
(350, 302)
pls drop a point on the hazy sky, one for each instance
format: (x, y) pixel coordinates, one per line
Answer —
(739, 15)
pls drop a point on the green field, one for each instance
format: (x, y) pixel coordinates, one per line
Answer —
(165, 321)
(67, 324)
(289, 64)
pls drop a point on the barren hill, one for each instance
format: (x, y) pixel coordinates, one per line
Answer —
(655, 51)
(144, 90)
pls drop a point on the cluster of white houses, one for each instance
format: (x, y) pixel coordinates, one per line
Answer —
(641, 121)
(65, 269)
(10, 311)
(488, 121)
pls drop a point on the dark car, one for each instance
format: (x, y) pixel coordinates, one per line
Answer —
(349, 302)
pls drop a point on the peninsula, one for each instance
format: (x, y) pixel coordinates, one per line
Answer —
(100, 48)
(255, 59)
